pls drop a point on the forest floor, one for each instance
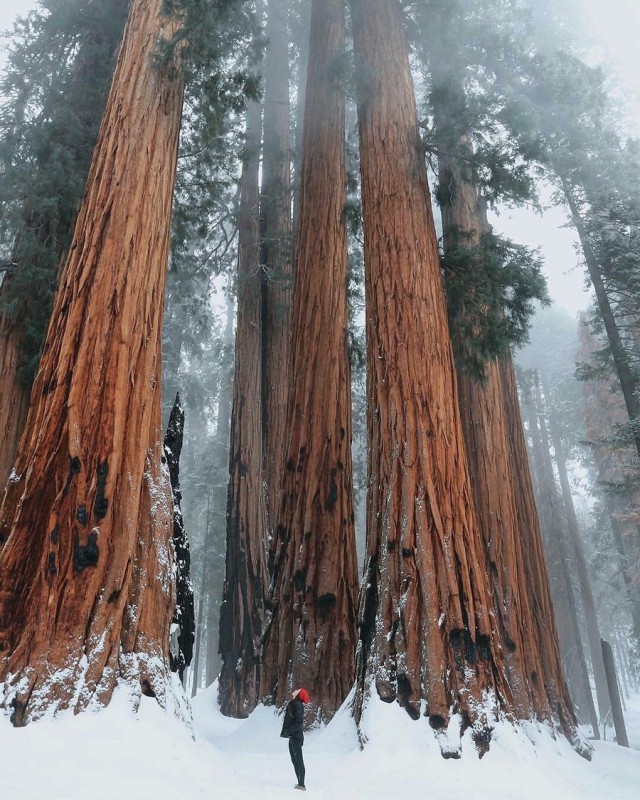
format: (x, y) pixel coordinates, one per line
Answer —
(114, 755)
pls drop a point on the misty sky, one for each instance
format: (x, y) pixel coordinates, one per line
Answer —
(613, 32)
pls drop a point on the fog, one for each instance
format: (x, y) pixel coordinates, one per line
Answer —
(611, 33)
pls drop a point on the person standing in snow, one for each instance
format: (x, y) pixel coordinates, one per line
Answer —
(292, 730)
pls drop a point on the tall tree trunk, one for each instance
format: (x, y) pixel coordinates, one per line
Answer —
(426, 625)
(588, 602)
(52, 227)
(312, 635)
(14, 397)
(245, 585)
(87, 593)
(564, 602)
(303, 73)
(215, 534)
(551, 674)
(277, 255)
(629, 382)
(183, 622)
(197, 665)
(632, 588)
(484, 412)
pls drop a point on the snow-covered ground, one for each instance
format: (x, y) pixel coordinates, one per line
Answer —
(113, 755)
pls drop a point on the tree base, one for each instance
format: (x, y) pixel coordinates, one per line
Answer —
(33, 694)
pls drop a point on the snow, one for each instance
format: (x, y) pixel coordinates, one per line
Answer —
(116, 754)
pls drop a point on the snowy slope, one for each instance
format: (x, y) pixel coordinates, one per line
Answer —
(113, 755)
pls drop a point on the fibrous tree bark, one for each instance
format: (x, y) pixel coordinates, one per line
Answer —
(426, 628)
(183, 622)
(14, 397)
(277, 255)
(245, 585)
(311, 636)
(87, 592)
(550, 675)
(486, 422)
(557, 555)
(588, 601)
(51, 225)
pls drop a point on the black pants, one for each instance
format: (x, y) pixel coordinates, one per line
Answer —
(295, 751)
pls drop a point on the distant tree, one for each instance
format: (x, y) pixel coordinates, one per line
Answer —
(617, 469)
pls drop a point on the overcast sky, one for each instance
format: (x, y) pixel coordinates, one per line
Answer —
(613, 28)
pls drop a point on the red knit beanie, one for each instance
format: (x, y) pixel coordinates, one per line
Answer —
(303, 694)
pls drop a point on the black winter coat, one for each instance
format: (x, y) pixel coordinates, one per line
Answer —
(293, 720)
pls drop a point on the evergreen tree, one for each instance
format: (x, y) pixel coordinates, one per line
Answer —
(310, 637)
(87, 600)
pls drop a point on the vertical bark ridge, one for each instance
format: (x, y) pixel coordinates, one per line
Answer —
(549, 674)
(14, 398)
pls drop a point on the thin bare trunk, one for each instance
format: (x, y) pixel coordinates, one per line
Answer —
(564, 601)
(216, 529)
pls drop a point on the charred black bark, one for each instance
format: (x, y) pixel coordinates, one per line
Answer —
(183, 624)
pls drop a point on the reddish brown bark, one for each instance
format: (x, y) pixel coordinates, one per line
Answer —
(485, 431)
(549, 675)
(14, 399)
(489, 414)
(52, 227)
(87, 594)
(242, 610)
(588, 600)
(277, 255)
(564, 603)
(312, 636)
(426, 627)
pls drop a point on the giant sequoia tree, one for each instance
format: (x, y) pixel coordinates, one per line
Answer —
(490, 286)
(85, 570)
(311, 636)
(242, 611)
(428, 622)
(425, 625)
